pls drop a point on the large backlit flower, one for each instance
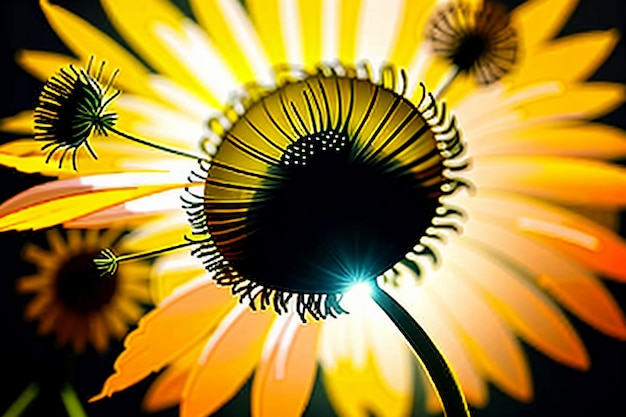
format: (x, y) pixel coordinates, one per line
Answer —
(502, 259)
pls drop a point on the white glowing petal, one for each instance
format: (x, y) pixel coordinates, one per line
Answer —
(330, 34)
(186, 102)
(379, 24)
(290, 22)
(179, 261)
(247, 39)
(175, 220)
(131, 179)
(167, 200)
(178, 166)
(417, 68)
(159, 122)
(198, 55)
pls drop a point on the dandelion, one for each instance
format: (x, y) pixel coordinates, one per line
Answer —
(326, 162)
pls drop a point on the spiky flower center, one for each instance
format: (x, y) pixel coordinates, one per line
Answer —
(476, 39)
(322, 183)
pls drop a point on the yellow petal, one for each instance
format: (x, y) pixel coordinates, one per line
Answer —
(230, 355)
(411, 32)
(561, 59)
(591, 140)
(566, 180)
(541, 20)
(172, 44)
(115, 155)
(583, 101)
(179, 323)
(525, 309)
(43, 65)
(60, 201)
(284, 379)
(358, 391)
(278, 25)
(22, 123)
(85, 41)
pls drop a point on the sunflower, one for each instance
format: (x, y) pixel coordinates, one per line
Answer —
(73, 302)
(471, 224)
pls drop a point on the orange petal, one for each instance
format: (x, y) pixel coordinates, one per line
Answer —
(421, 304)
(567, 180)
(166, 391)
(594, 246)
(229, 357)
(283, 381)
(497, 351)
(525, 309)
(555, 139)
(179, 323)
(559, 276)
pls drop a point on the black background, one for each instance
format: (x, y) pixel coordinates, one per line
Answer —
(559, 391)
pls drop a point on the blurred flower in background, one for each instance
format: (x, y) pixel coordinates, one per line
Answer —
(73, 303)
(529, 252)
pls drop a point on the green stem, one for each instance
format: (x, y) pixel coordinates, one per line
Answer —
(446, 385)
(152, 253)
(23, 401)
(71, 402)
(154, 145)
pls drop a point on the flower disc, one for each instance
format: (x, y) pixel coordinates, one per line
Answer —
(324, 182)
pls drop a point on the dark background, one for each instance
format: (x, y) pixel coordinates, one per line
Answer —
(559, 391)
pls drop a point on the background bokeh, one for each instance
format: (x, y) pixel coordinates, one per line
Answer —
(24, 357)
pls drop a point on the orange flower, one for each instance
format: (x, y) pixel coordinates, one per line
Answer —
(70, 298)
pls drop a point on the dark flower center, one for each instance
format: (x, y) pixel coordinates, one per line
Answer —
(80, 286)
(321, 184)
(332, 220)
(470, 49)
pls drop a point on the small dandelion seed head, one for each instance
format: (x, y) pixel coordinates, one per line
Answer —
(71, 107)
(478, 40)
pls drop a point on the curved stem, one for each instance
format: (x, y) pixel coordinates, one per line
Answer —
(442, 377)
(155, 146)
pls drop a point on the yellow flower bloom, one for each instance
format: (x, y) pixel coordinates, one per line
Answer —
(69, 297)
(521, 258)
